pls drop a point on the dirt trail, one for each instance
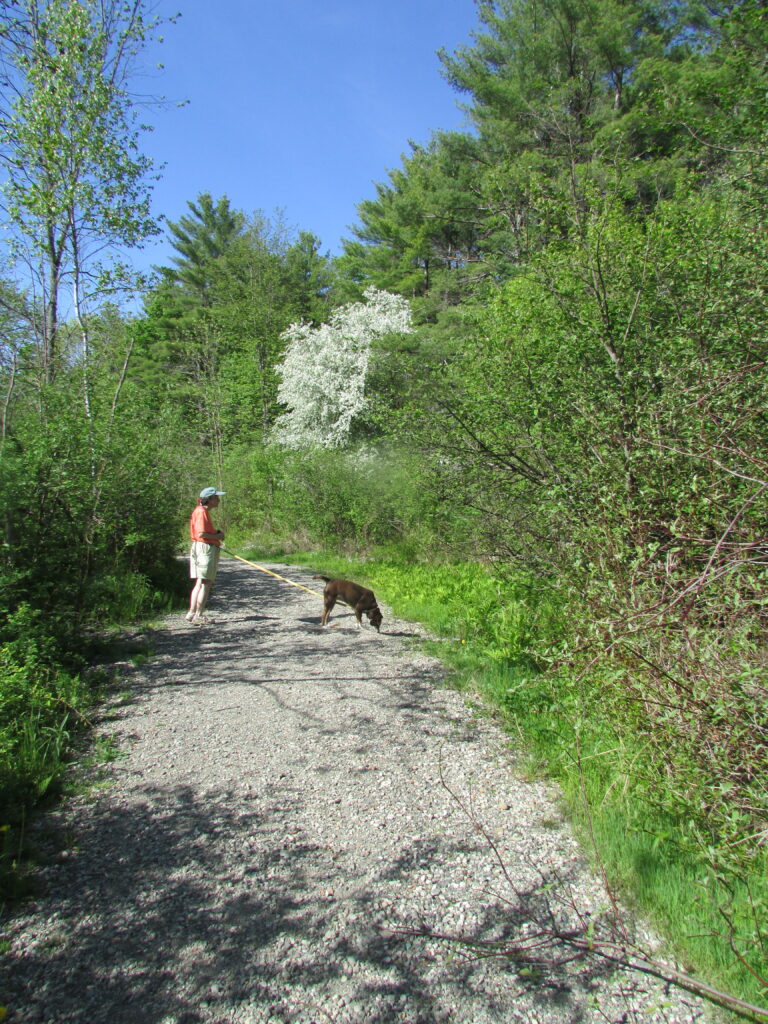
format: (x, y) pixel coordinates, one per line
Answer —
(292, 804)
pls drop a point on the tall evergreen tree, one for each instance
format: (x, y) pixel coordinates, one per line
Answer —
(200, 238)
(215, 320)
(424, 232)
(544, 74)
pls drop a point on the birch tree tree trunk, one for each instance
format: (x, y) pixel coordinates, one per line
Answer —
(70, 147)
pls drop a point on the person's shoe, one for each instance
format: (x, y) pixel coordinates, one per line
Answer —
(190, 616)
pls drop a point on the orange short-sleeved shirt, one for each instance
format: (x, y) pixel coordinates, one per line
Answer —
(200, 522)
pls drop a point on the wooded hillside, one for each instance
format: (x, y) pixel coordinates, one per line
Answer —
(542, 352)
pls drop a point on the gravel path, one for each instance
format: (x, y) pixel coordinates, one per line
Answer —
(292, 805)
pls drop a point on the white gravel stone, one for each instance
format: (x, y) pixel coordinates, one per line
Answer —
(298, 815)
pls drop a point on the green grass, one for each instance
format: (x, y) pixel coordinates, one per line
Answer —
(493, 631)
(44, 711)
(461, 601)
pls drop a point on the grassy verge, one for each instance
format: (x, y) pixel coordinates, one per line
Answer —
(42, 707)
(491, 629)
(47, 693)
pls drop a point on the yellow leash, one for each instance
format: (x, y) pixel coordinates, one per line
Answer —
(270, 573)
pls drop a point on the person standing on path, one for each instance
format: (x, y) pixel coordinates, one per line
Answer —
(204, 554)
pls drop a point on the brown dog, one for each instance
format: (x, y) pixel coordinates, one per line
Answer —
(359, 599)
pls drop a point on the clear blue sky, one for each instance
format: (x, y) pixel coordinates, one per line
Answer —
(297, 105)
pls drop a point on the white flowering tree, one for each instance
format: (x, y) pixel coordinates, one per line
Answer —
(324, 369)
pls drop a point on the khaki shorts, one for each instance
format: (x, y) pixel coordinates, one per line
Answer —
(203, 560)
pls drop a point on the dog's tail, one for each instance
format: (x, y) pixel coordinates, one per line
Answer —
(326, 578)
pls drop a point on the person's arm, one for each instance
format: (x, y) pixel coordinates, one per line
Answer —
(202, 527)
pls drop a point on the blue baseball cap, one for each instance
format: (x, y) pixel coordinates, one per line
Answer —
(208, 492)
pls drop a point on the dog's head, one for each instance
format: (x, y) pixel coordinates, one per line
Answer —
(375, 617)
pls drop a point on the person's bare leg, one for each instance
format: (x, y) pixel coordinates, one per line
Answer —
(194, 597)
(202, 599)
(199, 598)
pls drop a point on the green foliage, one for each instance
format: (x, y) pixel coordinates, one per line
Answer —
(579, 731)
(212, 336)
(89, 481)
(75, 182)
(423, 233)
(91, 532)
(201, 238)
(581, 414)
(503, 613)
(40, 705)
(595, 414)
(83, 501)
(126, 596)
(356, 499)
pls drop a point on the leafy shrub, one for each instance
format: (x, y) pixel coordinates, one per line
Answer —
(40, 705)
(356, 499)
